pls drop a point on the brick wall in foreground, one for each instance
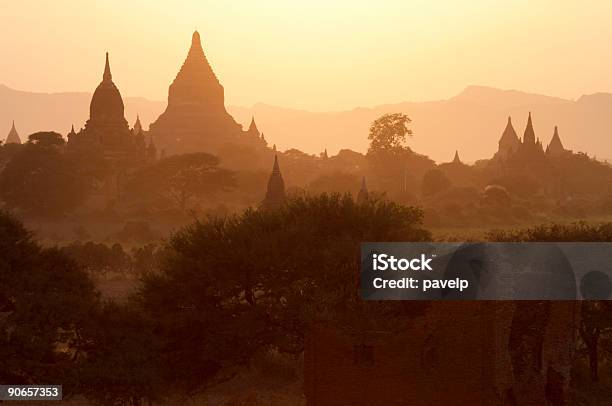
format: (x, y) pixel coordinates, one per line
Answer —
(474, 353)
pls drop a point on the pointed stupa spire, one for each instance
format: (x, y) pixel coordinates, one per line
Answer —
(196, 42)
(137, 125)
(106, 108)
(107, 77)
(72, 132)
(529, 135)
(456, 159)
(275, 195)
(274, 147)
(555, 147)
(363, 195)
(509, 130)
(253, 128)
(13, 136)
(196, 63)
(509, 142)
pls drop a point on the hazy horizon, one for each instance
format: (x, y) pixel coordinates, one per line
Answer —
(473, 121)
(315, 56)
(339, 110)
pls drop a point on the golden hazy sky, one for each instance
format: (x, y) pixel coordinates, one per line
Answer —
(316, 54)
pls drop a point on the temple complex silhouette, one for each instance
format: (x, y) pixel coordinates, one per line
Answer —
(195, 118)
(513, 151)
(107, 131)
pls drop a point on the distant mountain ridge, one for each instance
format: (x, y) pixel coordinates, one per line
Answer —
(470, 122)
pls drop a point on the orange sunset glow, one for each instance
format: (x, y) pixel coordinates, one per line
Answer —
(315, 55)
(306, 203)
(322, 57)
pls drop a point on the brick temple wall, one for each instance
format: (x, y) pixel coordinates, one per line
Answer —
(459, 353)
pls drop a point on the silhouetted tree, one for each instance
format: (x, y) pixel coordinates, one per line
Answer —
(396, 167)
(121, 366)
(523, 185)
(389, 133)
(42, 181)
(230, 286)
(180, 178)
(98, 258)
(339, 182)
(46, 139)
(434, 181)
(45, 304)
(496, 195)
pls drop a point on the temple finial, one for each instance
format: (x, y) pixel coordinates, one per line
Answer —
(195, 38)
(107, 72)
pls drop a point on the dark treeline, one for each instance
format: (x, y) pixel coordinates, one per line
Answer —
(43, 178)
(225, 290)
(217, 294)
(100, 259)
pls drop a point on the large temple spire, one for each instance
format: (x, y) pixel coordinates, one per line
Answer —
(107, 77)
(196, 64)
(195, 118)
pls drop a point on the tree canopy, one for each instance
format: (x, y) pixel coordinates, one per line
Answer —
(230, 286)
(42, 181)
(389, 133)
(45, 302)
(46, 138)
(180, 178)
